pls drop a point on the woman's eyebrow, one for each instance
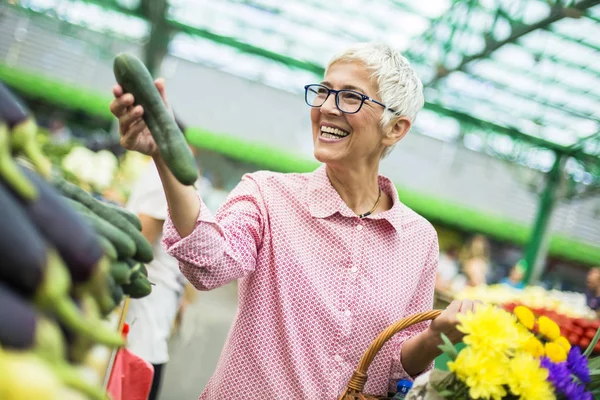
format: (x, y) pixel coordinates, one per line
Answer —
(347, 87)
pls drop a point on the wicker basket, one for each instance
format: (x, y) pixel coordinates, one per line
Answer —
(356, 385)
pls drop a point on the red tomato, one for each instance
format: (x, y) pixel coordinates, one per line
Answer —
(584, 343)
(577, 330)
(589, 333)
(573, 339)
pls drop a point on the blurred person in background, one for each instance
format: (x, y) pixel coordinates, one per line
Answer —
(153, 318)
(325, 260)
(475, 261)
(515, 277)
(592, 293)
(60, 133)
(447, 271)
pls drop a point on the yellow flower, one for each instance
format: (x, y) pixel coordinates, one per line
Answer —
(548, 328)
(534, 347)
(491, 330)
(555, 352)
(527, 379)
(564, 343)
(525, 316)
(484, 375)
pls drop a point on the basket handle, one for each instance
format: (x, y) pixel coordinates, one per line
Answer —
(359, 377)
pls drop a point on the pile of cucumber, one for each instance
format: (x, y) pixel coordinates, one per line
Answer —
(66, 261)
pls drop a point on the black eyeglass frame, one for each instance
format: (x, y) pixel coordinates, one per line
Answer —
(363, 97)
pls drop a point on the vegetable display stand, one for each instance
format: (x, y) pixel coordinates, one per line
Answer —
(356, 385)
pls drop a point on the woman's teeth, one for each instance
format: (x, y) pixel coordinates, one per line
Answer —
(333, 133)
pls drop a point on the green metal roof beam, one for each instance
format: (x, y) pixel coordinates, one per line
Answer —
(319, 70)
(508, 89)
(542, 80)
(556, 14)
(573, 40)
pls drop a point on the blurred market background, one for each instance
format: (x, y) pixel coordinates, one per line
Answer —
(504, 159)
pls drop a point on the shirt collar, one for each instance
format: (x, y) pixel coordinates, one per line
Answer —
(324, 200)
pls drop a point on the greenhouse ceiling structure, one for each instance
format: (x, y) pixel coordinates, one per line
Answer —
(519, 79)
(516, 79)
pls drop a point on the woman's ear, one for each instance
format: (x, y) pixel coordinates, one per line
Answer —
(401, 126)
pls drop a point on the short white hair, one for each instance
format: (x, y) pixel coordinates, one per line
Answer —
(399, 86)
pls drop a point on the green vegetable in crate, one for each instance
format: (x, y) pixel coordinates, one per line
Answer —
(139, 287)
(98, 287)
(117, 292)
(23, 328)
(124, 245)
(109, 249)
(132, 218)
(134, 78)
(143, 249)
(12, 109)
(79, 346)
(23, 140)
(75, 240)
(24, 375)
(120, 272)
(9, 171)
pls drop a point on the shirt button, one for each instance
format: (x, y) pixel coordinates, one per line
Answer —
(347, 313)
(338, 358)
(353, 270)
(359, 227)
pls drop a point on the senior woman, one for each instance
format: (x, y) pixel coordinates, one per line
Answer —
(325, 260)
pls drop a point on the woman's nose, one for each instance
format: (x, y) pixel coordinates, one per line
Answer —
(329, 107)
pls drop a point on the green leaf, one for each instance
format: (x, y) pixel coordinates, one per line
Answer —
(590, 348)
(448, 348)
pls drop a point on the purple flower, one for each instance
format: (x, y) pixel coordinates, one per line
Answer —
(558, 374)
(575, 391)
(578, 364)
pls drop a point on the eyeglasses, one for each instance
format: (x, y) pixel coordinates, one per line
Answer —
(347, 101)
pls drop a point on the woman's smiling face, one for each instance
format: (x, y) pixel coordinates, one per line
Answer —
(348, 138)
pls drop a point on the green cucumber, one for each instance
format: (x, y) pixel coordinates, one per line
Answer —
(134, 78)
(109, 250)
(139, 287)
(143, 249)
(120, 272)
(132, 218)
(117, 293)
(124, 245)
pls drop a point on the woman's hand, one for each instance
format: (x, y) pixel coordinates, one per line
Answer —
(135, 135)
(447, 322)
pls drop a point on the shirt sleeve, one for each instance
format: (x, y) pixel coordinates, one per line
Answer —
(221, 248)
(421, 301)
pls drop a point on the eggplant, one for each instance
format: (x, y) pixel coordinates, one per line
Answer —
(23, 140)
(38, 272)
(23, 328)
(74, 239)
(9, 171)
(22, 250)
(12, 109)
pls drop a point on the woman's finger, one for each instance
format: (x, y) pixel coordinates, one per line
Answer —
(120, 105)
(136, 127)
(130, 117)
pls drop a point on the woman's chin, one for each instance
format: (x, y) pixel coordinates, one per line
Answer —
(324, 156)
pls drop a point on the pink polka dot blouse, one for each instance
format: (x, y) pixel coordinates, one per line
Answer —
(316, 285)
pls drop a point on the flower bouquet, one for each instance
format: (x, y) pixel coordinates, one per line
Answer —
(512, 356)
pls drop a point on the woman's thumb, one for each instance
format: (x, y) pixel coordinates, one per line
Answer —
(160, 85)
